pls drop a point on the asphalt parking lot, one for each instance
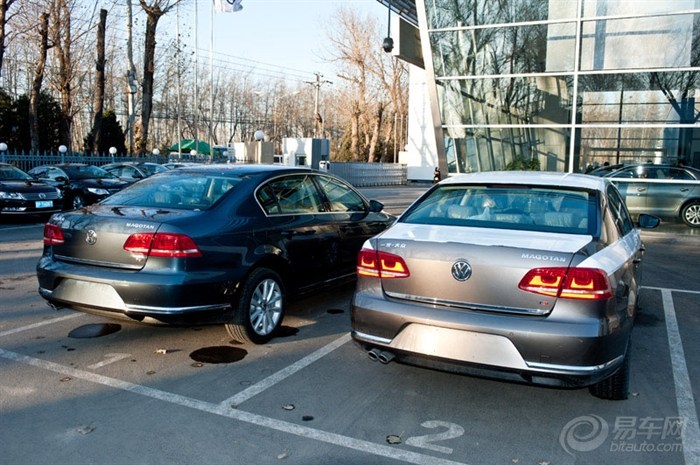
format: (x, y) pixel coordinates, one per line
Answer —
(80, 389)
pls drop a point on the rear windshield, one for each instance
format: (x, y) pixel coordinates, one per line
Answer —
(507, 207)
(10, 173)
(193, 191)
(86, 172)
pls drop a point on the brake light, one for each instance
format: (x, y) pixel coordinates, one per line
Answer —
(376, 264)
(53, 234)
(162, 245)
(568, 283)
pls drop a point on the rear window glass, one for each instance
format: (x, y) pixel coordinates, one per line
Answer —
(86, 172)
(505, 207)
(8, 173)
(190, 192)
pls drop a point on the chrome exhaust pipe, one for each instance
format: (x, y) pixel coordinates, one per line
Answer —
(385, 357)
(374, 354)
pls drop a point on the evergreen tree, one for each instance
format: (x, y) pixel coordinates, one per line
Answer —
(112, 136)
(49, 121)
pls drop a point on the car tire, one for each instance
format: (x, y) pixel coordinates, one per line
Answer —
(615, 387)
(78, 202)
(691, 214)
(259, 310)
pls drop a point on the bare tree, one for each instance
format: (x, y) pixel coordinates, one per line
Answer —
(4, 19)
(154, 12)
(70, 53)
(36, 83)
(99, 82)
(377, 85)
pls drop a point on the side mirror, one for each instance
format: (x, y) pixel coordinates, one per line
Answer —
(61, 179)
(375, 206)
(648, 221)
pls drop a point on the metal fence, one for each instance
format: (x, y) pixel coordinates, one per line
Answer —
(370, 174)
(27, 162)
(357, 174)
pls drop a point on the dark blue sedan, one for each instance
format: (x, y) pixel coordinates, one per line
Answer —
(209, 243)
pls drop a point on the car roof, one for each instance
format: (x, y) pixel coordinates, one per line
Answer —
(61, 165)
(243, 168)
(659, 165)
(540, 178)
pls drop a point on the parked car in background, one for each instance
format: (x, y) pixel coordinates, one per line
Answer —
(605, 169)
(669, 192)
(20, 194)
(209, 243)
(80, 184)
(529, 277)
(133, 171)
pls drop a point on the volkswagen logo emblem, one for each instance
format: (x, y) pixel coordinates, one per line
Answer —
(42, 195)
(91, 237)
(461, 270)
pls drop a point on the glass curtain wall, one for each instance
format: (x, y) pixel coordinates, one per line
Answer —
(566, 85)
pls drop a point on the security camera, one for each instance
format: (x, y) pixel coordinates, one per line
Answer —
(388, 44)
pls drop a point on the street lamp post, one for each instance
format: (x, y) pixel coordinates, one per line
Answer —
(156, 153)
(63, 149)
(112, 152)
(3, 149)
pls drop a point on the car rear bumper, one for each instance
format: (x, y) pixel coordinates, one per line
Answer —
(534, 349)
(166, 297)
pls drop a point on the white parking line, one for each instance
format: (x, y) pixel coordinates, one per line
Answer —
(239, 415)
(30, 226)
(684, 390)
(684, 394)
(275, 378)
(662, 289)
(40, 324)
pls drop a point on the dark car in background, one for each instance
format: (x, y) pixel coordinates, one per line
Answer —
(669, 192)
(528, 277)
(80, 184)
(133, 171)
(209, 243)
(20, 194)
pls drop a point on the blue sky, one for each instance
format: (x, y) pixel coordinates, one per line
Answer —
(282, 35)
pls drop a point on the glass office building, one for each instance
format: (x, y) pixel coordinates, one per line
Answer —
(565, 84)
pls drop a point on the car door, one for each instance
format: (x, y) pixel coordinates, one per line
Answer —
(668, 191)
(350, 213)
(308, 237)
(629, 274)
(633, 186)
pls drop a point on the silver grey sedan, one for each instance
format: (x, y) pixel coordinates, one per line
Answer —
(525, 276)
(670, 192)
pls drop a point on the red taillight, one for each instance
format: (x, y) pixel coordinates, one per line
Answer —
(162, 245)
(52, 234)
(568, 283)
(381, 265)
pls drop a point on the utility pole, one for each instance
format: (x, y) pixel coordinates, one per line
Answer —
(318, 121)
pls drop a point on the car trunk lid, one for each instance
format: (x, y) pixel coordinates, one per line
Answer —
(99, 238)
(475, 268)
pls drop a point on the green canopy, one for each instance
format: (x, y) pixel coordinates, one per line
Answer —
(187, 145)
